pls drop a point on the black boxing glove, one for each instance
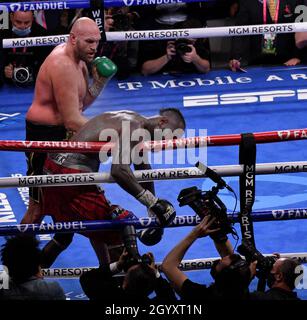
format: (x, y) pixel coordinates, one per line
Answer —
(150, 236)
(163, 210)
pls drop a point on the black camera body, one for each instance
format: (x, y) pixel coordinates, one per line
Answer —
(205, 203)
(182, 46)
(134, 259)
(251, 254)
(130, 243)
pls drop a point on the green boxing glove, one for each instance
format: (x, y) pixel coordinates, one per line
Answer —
(106, 70)
(105, 67)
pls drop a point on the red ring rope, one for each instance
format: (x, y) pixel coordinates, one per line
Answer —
(192, 142)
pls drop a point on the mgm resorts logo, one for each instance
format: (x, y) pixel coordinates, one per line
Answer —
(243, 97)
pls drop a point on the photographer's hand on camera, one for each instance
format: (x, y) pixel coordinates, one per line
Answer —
(170, 50)
(8, 71)
(190, 57)
(122, 261)
(204, 228)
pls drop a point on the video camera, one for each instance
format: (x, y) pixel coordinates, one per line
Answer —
(251, 254)
(208, 203)
(182, 46)
(134, 257)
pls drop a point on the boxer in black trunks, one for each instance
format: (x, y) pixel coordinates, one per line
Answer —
(62, 93)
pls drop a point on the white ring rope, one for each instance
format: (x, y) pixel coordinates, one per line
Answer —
(185, 265)
(148, 175)
(195, 33)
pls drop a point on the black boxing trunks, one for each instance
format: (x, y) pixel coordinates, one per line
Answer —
(35, 161)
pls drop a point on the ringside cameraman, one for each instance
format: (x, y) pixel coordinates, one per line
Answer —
(21, 65)
(140, 280)
(281, 281)
(231, 274)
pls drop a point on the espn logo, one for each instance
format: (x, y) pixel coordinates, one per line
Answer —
(243, 97)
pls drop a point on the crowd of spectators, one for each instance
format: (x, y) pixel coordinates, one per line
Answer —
(20, 65)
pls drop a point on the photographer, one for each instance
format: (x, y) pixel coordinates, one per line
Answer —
(22, 256)
(180, 56)
(123, 53)
(140, 280)
(232, 274)
(278, 273)
(21, 65)
(281, 281)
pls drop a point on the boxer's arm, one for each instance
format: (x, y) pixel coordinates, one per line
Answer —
(93, 89)
(145, 166)
(65, 88)
(121, 171)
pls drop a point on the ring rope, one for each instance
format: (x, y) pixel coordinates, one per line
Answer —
(191, 142)
(141, 35)
(141, 223)
(185, 265)
(147, 175)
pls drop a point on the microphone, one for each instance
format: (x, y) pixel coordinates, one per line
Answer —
(213, 176)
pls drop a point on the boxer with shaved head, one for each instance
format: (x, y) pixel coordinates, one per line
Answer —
(62, 92)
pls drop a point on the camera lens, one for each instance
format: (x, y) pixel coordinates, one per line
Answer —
(21, 75)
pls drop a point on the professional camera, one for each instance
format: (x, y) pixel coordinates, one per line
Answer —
(251, 254)
(182, 46)
(22, 75)
(130, 242)
(121, 21)
(207, 203)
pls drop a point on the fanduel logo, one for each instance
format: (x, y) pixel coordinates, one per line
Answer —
(149, 2)
(244, 97)
(15, 7)
(47, 5)
(128, 2)
(27, 144)
(22, 227)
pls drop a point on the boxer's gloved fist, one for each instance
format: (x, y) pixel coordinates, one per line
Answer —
(103, 70)
(150, 236)
(105, 67)
(163, 210)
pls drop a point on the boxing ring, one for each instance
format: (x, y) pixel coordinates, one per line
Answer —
(269, 100)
